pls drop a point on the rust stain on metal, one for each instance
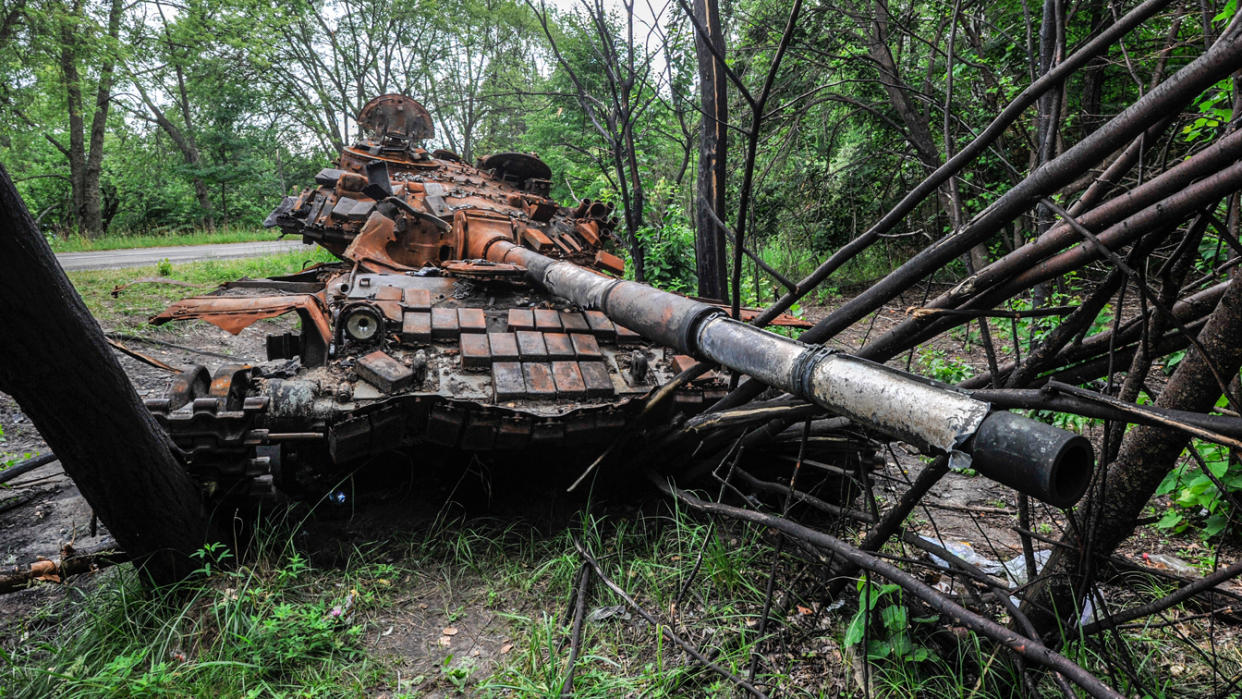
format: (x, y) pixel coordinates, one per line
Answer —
(236, 313)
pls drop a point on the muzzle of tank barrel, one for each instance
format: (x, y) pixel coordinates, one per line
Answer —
(1033, 458)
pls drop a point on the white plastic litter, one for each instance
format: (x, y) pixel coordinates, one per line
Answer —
(966, 552)
(1015, 568)
(602, 613)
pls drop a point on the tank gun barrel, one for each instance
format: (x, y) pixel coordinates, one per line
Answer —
(1034, 458)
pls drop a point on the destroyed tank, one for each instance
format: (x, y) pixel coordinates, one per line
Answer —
(472, 314)
(416, 339)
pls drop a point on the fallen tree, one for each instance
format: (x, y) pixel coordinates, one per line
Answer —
(57, 364)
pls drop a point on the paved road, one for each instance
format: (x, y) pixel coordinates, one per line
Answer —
(139, 257)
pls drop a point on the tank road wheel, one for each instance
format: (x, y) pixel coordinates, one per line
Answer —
(193, 382)
(213, 423)
(230, 385)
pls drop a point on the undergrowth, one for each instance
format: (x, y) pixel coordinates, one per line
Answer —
(276, 624)
(271, 626)
(654, 558)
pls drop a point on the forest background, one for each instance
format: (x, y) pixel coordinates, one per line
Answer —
(167, 118)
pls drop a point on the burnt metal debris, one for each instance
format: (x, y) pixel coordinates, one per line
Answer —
(470, 312)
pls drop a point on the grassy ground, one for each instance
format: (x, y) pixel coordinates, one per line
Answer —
(406, 616)
(280, 625)
(121, 241)
(131, 308)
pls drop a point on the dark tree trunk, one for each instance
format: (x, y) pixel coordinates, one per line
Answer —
(73, 101)
(92, 211)
(1047, 121)
(709, 243)
(86, 157)
(55, 362)
(1093, 75)
(1147, 453)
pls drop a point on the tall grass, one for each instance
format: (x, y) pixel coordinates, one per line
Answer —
(272, 626)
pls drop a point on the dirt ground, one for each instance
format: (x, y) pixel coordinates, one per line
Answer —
(42, 511)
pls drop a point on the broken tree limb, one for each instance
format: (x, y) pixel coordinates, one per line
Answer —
(1179, 595)
(1183, 203)
(26, 466)
(581, 590)
(926, 311)
(891, 522)
(1101, 43)
(1161, 418)
(1218, 156)
(161, 343)
(57, 365)
(53, 571)
(662, 628)
(1095, 405)
(754, 412)
(139, 356)
(802, 497)
(1189, 310)
(1111, 511)
(1223, 58)
(1028, 648)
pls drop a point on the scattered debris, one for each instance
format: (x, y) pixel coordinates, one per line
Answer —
(71, 562)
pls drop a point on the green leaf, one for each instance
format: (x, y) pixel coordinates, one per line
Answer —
(894, 617)
(1171, 519)
(1217, 467)
(1215, 524)
(854, 633)
(878, 650)
(901, 645)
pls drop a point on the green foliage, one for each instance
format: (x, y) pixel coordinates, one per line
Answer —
(1196, 500)
(266, 109)
(667, 242)
(1214, 108)
(270, 628)
(936, 363)
(885, 624)
(652, 558)
(6, 459)
(669, 256)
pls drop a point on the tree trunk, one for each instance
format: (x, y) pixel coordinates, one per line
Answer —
(1147, 454)
(184, 141)
(55, 362)
(709, 242)
(1047, 120)
(73, 99)
(92, 214)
